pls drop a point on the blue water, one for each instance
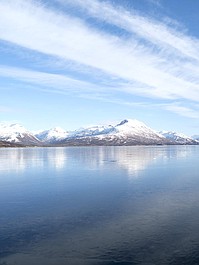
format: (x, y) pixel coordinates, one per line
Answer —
(99, 205)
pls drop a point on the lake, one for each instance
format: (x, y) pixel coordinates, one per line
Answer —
(99, 205)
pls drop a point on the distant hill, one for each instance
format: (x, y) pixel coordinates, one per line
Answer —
(179, 138)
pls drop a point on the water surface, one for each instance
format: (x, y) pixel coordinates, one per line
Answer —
(99, 205)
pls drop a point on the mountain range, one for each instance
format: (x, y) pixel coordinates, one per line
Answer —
(128, 132)
(18, 135)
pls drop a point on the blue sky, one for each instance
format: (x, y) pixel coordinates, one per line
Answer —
(73, 63)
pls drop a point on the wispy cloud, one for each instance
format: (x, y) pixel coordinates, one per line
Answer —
(149, 29)
(183, 111)
(155, 2)
(53, 82)
(175, 107)
(154, 61)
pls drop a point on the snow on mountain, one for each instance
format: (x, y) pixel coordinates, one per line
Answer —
(57, 134)
(125, 128)
(15, 133)
(92, 131)
(53, 135)
(137, 128)
(178, 137)
(127, 132)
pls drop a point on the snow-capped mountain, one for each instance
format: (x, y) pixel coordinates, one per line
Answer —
(179, 138)
(17, 134)
(92, 131)
(52, 136)
(127, 132)
(57, 134)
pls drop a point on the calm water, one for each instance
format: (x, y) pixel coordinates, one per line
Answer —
(99, 205)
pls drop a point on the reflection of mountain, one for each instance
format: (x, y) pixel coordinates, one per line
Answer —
(99, 213)
(19, 159)
(132, 159)
(137, 159)
(13, 160)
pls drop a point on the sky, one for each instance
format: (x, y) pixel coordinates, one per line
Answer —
(75, 63)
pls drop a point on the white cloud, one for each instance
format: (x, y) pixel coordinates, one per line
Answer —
(152, 30)
(155, 2)
(164, 66)
(183, 111)
(56, 82)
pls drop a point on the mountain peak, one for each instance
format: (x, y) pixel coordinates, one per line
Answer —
(16, 133)
(54, 134)
(131, 123)
(122, 122)
(58, 129)
(177, 137)
(127, 132)
(10, 128)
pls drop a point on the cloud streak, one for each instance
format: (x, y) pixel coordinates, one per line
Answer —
(147, 28)
(56, 82)
(154, 61)
(183, 111)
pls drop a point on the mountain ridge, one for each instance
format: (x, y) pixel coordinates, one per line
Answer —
(127, 132)
(178, 137)
(17, 134)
